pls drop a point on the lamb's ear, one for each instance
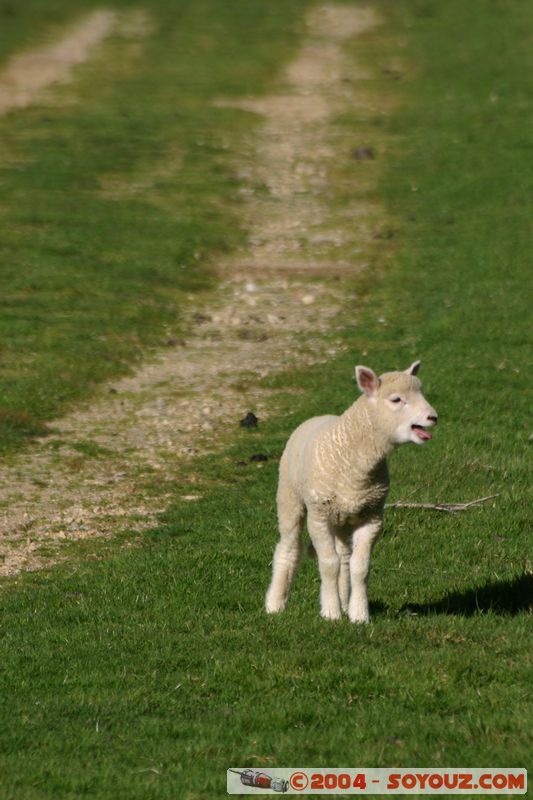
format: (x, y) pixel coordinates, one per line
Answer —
(367, 380)
(413, 369)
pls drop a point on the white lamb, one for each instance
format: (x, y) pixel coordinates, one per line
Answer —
(334, 469)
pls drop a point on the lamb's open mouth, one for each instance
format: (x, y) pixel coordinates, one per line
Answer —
(421, 432)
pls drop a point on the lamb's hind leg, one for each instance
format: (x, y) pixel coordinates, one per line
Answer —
(288, 551)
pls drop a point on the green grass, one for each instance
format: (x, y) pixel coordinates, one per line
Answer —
(146, 671)
(119, 194)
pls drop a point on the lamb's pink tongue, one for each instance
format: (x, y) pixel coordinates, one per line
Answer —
(422, 434)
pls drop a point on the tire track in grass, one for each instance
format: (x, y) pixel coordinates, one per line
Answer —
(27, 74)
(291, 226)
(276, 301)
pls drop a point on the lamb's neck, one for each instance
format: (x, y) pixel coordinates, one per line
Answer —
(368, 444)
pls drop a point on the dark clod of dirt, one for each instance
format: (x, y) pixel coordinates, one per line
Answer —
(248, 335)
(259, 457)
(395, 74)
(173, 341)
(364, 153)
(249, 421)
(386, 234)
(241, 463)
(199, 318)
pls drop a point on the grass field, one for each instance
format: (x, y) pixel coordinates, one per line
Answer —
(121, 192)
(144, 668)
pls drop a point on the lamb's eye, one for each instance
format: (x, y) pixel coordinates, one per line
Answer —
(396, 399)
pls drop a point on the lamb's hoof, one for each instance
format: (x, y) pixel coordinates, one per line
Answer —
(359, 618)
(274, 606)
(331, 613)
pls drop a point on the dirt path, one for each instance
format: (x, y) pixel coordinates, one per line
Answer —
(26, 75)
(276, 300)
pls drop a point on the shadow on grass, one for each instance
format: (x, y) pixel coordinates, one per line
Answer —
(501, 597)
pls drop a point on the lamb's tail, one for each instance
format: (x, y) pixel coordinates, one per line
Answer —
(311, 552)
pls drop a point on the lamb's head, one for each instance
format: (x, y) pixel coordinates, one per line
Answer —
(398, 402)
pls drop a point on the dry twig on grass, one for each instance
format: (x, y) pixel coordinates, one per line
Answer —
(450, 507)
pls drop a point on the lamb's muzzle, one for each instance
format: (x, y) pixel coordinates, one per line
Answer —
(334, 471)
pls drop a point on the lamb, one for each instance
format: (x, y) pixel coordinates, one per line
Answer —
(334, 470)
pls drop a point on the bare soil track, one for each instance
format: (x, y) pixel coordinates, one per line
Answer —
(28, 74)
(275, 301)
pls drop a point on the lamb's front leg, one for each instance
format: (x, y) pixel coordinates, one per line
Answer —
(323, 537)
(344, 549)
(363, 542)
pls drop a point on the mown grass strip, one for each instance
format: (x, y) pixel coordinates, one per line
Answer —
(148, 673)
